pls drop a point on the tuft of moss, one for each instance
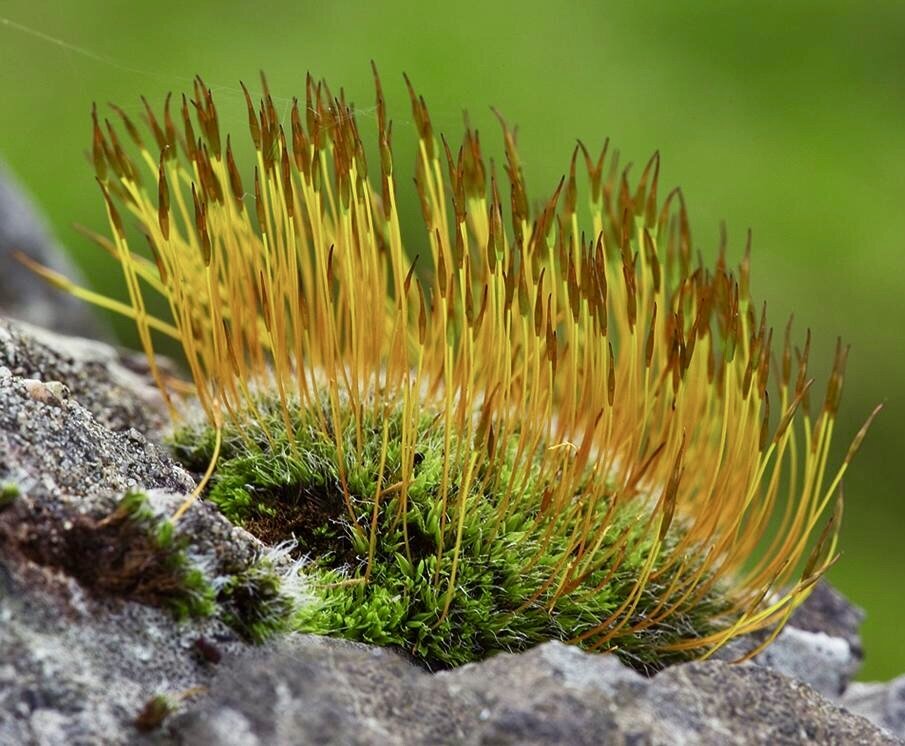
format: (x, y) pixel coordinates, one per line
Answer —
(131, 553)
(9, 493)
(155, 711)
(149, 560)
(253, 603)
(289, 487)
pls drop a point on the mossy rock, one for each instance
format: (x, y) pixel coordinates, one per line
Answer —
(389, 573)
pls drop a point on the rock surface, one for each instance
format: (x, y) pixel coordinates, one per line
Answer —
(881, 703)
(309, 690)
(79, 664)
(23, 295)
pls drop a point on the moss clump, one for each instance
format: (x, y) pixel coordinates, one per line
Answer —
(253, 603)
(501, 600)
(154, 562)
(9, 493)
(131, 553)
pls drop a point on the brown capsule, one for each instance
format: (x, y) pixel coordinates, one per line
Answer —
(422, 317)
(259, 204)
(595, 169)
(539, 305)
(128, 124)
(571, 196)
(744, 271)
(670, 494)
(213, 122)
(204, 240)
(169, 128)
(650, 206)
(163, 201)
(765, 424)
(159, 136)
(98, 148)
(253, 126)
(651, 170)
(235, 180)
(611, 376)
(862, 433)
(408, 277)
(480, 318)
(189, 131)
(286, 173)
(114, 214)
(381, 103)
(300, 147)
(652, 330)
(787, 418)
(819, 555)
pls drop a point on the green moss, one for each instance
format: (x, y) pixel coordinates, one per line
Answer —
(253, 603)
(150, 561)
(9, 493)
(500, 601)
(155, 711)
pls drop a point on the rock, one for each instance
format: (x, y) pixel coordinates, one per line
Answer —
(307, 690)
(23, 294)
(881, 703)
(91, 653)
(78, 669)
(820, 646)
(79, 656)
(94, 373)
(827, 610)
(824, 662)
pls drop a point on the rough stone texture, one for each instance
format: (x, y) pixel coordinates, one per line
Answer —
(23, 295)
(310, 691)
(78, 666)
(820, 646)
(883, 704)
(100, 377)
(75, 669)
(52, 447)
(828, 611)
(824, 662)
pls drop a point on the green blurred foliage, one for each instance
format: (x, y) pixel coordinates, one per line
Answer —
(786, 117)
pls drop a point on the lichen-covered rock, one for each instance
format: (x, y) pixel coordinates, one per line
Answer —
(23, 294)
(308, 690)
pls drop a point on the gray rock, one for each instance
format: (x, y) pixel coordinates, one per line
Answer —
(77, 662)
(98, 376)
(75, 668)
(23, 294)
(307, 690)
(881, 703)
(80, 662)
(820, 660)
(827, 610)
(820, 646)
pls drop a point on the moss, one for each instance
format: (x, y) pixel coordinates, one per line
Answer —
(281, 488)
(155, 711)
(253, 603)
(9, 493)
(131, 553)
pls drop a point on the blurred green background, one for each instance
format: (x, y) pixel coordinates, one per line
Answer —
(786, 117)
